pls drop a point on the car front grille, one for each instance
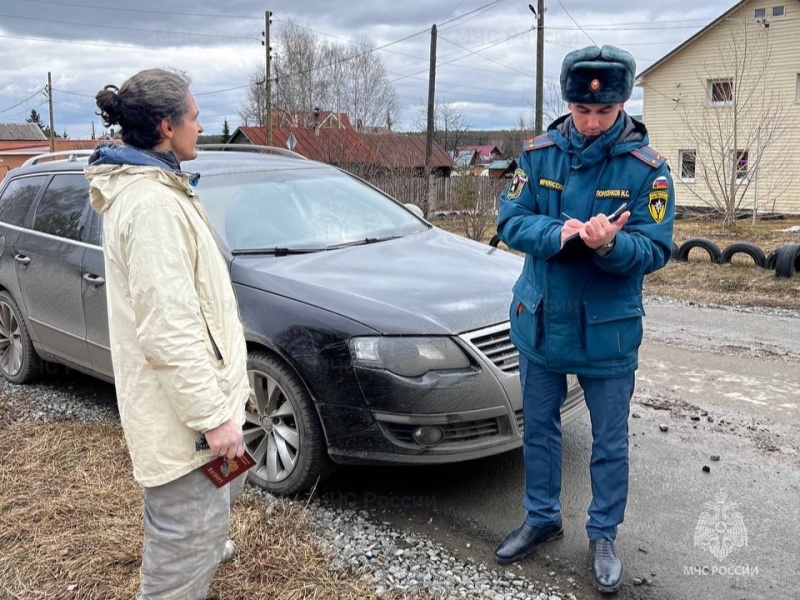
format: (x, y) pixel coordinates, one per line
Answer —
(495, 344)
(520, 420)
(454, 433)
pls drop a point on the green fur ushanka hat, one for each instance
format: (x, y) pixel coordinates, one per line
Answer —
(595, 75)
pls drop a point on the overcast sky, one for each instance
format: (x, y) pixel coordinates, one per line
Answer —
(486, 58)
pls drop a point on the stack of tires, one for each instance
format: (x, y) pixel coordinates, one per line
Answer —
(785, 261)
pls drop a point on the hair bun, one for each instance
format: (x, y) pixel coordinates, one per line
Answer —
(109, 104)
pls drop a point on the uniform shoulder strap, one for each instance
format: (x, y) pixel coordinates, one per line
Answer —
(537, 143)
(649, 155)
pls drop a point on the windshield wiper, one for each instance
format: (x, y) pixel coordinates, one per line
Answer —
(363, 242)
(275, 251)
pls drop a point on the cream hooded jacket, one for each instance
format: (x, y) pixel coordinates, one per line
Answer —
(177, 343)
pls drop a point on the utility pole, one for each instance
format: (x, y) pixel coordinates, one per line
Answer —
(429, 137)
(267, 79)
(50, 102)
(539, 14)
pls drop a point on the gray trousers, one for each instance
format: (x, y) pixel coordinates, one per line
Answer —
(186, 523)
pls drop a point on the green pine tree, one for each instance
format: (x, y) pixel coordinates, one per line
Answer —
(226, 132)
(36, 118)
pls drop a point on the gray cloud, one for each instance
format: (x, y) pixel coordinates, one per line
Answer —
(86, 45)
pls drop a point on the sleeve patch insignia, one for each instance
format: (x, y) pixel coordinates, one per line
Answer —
(517, 184)
(553, 185)
(661, 183)
(658, 205)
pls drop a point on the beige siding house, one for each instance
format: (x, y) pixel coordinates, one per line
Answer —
(724, 108)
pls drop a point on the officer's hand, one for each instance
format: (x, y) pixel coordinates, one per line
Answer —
(226, 440)
(570, 227)
(598, 231)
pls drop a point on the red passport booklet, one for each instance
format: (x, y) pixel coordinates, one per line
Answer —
(222, 470)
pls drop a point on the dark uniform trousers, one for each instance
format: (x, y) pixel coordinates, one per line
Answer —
(608, 400)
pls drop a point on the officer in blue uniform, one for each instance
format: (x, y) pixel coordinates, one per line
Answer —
(577, 305)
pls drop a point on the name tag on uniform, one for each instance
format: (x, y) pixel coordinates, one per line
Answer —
(625, 194)
(553, 185)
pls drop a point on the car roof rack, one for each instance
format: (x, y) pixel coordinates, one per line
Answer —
(72, 155)
(252, 147)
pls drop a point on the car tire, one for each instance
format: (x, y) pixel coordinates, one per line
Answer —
(771, 261)
(787, 260)
(282, 429)
(675, 251)
(710, 247)
(19, 362)
(753, 251)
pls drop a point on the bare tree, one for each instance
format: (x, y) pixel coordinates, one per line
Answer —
(332, 76)
(554, 104)
(449, 124)
(734, 122)
(253, 111)
(553, 107)
(474, 200)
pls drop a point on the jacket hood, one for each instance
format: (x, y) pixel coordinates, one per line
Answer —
(112, 168)
(625, 135)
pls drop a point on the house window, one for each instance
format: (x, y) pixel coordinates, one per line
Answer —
(741, 160)
(778, 11)
(760, 14)
(797, 93)
(720, 92)
(688, 160)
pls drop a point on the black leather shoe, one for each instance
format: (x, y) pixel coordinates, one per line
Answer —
(520, 542)
(605, 565)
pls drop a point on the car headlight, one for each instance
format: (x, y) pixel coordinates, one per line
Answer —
(408, 356)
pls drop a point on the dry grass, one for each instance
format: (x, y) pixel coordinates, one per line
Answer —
(740, 283)
(72, 525)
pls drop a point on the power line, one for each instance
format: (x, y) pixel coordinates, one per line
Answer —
(354, 56)
(136, 10)
(494, 60)
(486, 9)
(116, 46)
(480, 8)
(73, 93)
(576, 23)
(92, 25)
(23, 102)
(491, 45)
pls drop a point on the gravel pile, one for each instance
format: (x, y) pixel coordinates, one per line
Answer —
(392, 560)
(406, 562)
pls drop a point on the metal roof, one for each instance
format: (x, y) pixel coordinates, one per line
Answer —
(21, 131)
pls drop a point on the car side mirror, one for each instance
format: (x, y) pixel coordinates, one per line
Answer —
(415, 209)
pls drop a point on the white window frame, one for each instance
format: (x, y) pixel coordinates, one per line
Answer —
(681, 154)
(746, 154)
(783, 12)
(710, 89)
(759, 14)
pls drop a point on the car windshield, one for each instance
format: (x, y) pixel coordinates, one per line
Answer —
(314, 208)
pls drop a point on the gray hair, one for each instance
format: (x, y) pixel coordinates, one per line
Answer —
(142, 102)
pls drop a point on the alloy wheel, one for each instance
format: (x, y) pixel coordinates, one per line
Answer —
(10, 341)
(271, 430)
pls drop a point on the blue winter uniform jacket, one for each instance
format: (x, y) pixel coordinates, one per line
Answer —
(584, 315)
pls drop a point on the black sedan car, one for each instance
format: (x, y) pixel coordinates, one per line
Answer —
(373, 336)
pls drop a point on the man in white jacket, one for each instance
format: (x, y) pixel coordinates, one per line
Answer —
(177, 344)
